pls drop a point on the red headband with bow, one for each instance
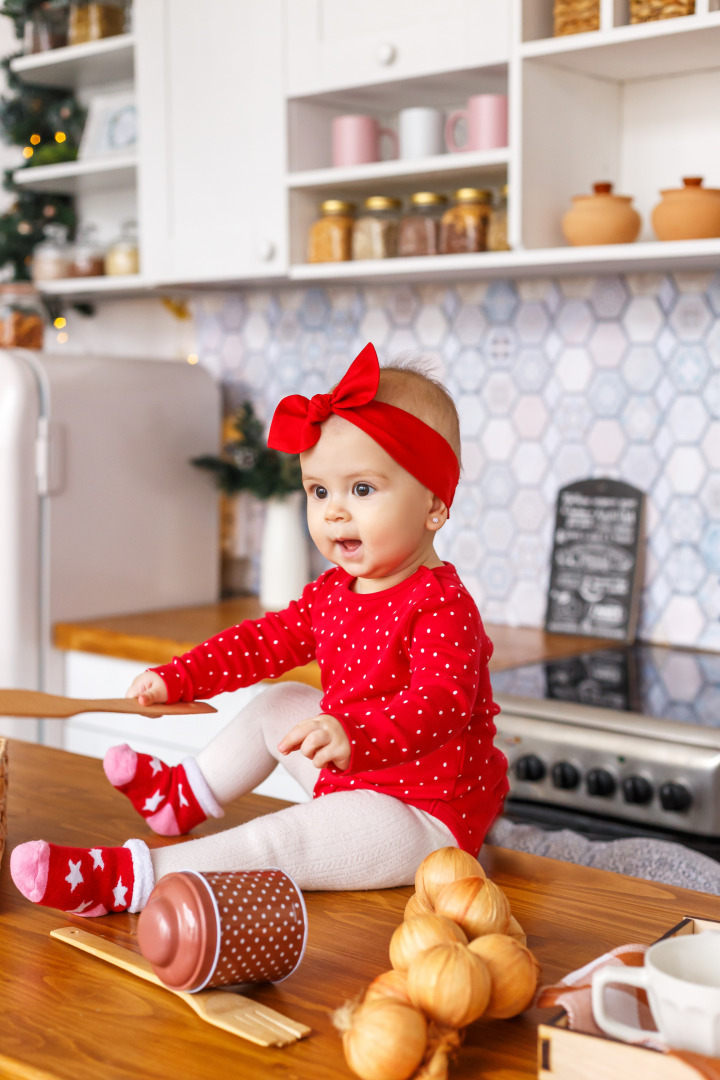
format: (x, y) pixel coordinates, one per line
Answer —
(418, 448)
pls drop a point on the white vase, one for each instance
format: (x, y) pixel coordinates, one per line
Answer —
(284, 556)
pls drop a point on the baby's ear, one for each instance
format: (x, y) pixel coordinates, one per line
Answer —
(437, 515)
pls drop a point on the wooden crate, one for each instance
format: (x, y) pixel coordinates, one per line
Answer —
(651, 10)
(572, 1055)
(575, 16)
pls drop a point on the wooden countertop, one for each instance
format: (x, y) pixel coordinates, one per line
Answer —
(70, 1016)
(154, 637)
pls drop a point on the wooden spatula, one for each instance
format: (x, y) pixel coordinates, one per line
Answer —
(227, 1010)
(35, 703)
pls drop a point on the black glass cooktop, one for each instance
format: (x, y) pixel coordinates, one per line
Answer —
(671, 684)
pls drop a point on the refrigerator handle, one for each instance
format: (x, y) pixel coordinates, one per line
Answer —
(49, 457)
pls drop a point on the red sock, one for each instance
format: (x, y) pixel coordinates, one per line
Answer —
(161, 793)
(83, 881)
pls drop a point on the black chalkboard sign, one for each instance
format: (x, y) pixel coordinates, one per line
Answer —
(595, 574)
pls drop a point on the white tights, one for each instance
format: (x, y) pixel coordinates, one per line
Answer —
(346, 840)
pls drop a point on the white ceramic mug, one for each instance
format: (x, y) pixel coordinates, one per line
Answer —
(421, 132)
(682, 978)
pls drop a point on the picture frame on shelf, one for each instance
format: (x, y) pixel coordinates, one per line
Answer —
(111, 127)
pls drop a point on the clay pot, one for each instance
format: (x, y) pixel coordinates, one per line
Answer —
(601, 218)
(691, 212)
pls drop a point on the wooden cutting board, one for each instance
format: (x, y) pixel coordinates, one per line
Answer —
(35, 703)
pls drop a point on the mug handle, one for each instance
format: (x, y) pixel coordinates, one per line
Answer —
(459, 114)
(629, 976)
(390, 134)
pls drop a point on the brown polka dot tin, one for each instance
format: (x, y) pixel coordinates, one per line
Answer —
(221, 929)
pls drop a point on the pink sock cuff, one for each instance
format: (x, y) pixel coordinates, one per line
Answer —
(201, 790)
(143, 874)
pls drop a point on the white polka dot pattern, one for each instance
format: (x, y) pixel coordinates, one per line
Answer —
(262, 926)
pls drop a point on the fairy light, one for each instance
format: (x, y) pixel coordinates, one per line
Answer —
(193, 358)
(28, 151)
(34, 139)
(60, 322)
(60, 136)
(62, 337)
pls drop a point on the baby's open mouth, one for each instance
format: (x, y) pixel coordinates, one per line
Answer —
(349, 546)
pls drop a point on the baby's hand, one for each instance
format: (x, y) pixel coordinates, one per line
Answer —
(321, 738)
(148, 688)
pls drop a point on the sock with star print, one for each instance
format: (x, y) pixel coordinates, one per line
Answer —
(173, 799)
(84, 881)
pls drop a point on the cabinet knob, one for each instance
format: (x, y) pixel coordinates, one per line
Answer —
(265, 250)
(386, 53)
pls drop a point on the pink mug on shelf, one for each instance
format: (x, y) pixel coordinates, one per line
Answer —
(356, 140)
(486, 119)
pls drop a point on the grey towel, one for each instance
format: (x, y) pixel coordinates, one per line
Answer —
(654, 860)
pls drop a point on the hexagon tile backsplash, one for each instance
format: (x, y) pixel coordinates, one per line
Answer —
(555, 381)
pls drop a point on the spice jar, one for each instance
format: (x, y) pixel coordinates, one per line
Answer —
(88, 256)
(463, 227)
(122, 256)
(330, 238)
(52, 257)
(91, 20)
(497, 237)
(47, 28)
(22, 318)
(375, 232)
(420, 227)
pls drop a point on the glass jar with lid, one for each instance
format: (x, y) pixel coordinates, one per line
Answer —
(123, 255)
(375, 232)
(88, 254)
(497, 237)
(52, 257)
(463, 226)
(420, 226)
(92, 20)
(22, 316)
(330, 237)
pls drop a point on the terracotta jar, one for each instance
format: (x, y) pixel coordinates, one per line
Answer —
(601, 218)
(691, 212)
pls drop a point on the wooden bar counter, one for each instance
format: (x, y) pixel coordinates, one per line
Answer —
(71, 1016)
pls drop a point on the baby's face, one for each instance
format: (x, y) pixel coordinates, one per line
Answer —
(365, 512)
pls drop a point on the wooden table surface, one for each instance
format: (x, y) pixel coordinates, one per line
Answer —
(71, 1016)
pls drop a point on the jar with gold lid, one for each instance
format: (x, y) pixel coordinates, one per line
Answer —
(375, 232)
(22, 316)
(420, 227)
(497, 237)
(93, 20)
(463, 226)
(330, 237)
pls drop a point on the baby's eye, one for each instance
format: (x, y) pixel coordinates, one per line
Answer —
(362, 489)
(319, 492)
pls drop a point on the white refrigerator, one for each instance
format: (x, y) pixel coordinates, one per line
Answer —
(101, 512)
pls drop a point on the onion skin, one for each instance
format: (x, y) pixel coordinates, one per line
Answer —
(515, 930)
(514, 973)
(391, 984)
(415, 906)
(386, 1040)
(450, 984)
(440, 867)
(477, 904)
(421, 932)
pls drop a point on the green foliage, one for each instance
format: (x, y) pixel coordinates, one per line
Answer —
(247, 464)
(20, 11)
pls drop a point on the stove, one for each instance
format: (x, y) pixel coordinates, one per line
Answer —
(622, 741)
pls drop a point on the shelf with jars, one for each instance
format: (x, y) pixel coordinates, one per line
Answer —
(108, 60)
(79, 177)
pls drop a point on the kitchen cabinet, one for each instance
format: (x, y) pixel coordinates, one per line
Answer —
(210, 91)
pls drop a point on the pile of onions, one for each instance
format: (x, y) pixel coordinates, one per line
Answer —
(458, 955)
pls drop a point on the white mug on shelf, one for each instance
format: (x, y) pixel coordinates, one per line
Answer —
(420, 131)
(681, 976)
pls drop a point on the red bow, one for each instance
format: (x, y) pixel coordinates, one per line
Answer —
(296, 424)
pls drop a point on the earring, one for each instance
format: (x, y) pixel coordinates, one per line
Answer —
(435, 520)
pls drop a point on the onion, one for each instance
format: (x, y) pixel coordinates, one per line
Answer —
(450, 984)
(383, 1039)
(515, 930)
(475, 903)
(514, 973)
(421, 932)
(441, 866)
(415, 906)
(392, 984)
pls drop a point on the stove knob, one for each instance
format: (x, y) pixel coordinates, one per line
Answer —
(636, 789)
(529, 767)
(600, 782)
(674, 796)
(565, 775)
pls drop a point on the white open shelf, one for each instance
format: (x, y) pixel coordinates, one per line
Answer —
(445, 168)
(79, 177)
(109, 285)
(74, 66)
(609, 258)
